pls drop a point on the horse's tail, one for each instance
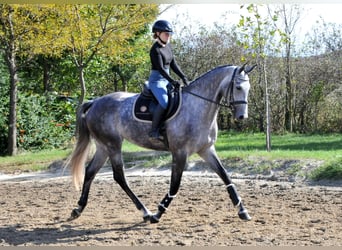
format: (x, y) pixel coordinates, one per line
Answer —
(79, 155)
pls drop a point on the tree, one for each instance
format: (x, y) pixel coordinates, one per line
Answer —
(8, 38)
(23, 33)
(200, 49)
(49, 31)
(13, 31)
(90, 30)
(4, 100)
(20, 27)
(289, 16)
(125, 66)
(258, 41)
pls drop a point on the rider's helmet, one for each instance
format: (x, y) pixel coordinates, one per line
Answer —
(162, 26)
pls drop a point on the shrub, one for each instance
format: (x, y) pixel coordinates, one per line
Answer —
(45, 121)
(331, 171)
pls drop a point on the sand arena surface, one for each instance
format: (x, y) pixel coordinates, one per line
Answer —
(35, 209)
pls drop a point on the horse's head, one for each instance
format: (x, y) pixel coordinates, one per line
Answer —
(238, 92)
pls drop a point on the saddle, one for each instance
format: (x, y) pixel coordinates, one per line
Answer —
(146, 103)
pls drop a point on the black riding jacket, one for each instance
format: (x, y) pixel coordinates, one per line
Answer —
(162, 59)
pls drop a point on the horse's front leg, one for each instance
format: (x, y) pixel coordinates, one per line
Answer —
(119, 177)
(178, 164)
(210, 156)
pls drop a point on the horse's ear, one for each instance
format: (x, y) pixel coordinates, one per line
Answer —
(242, 68)
(250, 68)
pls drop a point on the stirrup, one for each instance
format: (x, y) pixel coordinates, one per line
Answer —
(155, 135)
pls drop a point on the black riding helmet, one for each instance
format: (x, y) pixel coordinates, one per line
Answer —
(162, 26)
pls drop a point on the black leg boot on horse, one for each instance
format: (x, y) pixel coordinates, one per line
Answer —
(158, 115)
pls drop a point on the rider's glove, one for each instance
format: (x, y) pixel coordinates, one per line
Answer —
(176, 84)
(185, 81)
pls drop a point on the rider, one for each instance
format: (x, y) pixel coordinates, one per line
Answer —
(162, 60)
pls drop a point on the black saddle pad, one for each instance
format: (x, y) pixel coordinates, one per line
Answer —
(146, 103)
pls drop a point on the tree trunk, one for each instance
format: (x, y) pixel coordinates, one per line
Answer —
(288, 83)
(12, 121)
(10, 58)
(46, 75)
(267, 111)
(116, 83)
(82, 82)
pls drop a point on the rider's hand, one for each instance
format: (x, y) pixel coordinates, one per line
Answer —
(176, 84)
(185, 81)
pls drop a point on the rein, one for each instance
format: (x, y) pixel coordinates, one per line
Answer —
(207, 99)
(231, 101)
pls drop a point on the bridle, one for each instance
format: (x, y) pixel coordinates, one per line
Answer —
(230, 102)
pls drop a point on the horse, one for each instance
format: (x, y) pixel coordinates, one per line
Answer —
(108, 120)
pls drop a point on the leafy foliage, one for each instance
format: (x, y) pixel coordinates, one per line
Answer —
(4, 100)
(102, 30)
(45, 122)
(330, 171)
(42, 35)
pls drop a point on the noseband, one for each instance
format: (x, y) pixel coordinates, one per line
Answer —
(230, 102)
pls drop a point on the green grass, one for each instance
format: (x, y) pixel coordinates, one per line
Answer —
(289, 146)
(327, 148)
(31, 161)
(230, 146)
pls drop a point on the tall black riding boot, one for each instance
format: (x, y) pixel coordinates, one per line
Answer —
(156, 120)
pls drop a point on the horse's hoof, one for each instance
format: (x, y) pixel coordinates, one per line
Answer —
(74, 214)
(243, 215)
(154, 219)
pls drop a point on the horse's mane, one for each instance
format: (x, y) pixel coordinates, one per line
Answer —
(210, 71)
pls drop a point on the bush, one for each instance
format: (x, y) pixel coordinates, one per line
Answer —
(45, 121)
(4, 106)
(331, 171)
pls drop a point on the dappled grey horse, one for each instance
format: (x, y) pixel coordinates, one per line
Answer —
(109, 120)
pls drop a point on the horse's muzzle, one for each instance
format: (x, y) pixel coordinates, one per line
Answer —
(241, 112)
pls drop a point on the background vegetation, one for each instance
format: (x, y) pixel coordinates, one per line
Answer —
(53, 57)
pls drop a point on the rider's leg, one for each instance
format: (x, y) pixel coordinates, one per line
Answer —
(156, 122)
(160, 92)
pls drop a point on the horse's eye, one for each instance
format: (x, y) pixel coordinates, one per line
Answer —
(238, 87)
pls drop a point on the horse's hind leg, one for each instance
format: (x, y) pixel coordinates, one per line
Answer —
(119, 177)
(92, 169)
(210, 156)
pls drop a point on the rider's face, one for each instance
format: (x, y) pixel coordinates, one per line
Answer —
(165, 36)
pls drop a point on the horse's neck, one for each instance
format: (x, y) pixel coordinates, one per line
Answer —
(208, 86)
